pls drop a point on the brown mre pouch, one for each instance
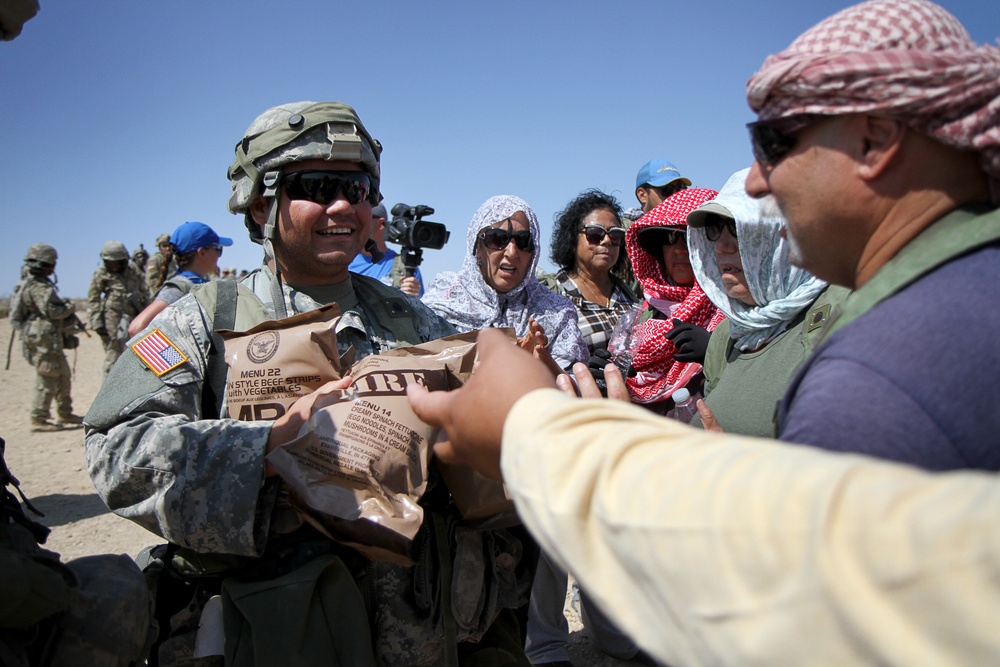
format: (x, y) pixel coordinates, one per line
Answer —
(359, 466)
(277, 362)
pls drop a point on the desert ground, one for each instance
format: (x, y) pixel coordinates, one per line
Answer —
(52, 470)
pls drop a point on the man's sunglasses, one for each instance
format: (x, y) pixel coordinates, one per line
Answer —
(595, 234)
(496, 238)
(773, 139)
(322, 187)
(713, 228)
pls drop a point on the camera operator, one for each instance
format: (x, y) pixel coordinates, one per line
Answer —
(389, 268)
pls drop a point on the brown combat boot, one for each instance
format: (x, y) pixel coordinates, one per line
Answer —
(70, 419)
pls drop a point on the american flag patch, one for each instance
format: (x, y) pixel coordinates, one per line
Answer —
(158, 352)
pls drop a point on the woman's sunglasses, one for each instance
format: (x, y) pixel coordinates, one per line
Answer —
(772, 140)
(713, 229)
(496, 238)
(595, 234)
(659, 237)
(322, 187)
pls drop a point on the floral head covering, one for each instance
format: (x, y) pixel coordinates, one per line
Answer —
(657, 374)
(909, 59)
(780, 289)
(467, 301)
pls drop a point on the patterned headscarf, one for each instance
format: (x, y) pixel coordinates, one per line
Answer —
(468, 302)
(657, 374)
(780, 289)
(910, 59)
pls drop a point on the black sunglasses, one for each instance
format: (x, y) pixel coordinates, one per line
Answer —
(659, 237)
(773, 139)
(713, 229)
(322, 187)
(595, 234)
(496, 238)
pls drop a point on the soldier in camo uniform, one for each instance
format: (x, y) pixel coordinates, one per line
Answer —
(46, 322)
(117, 293)
(305, 179)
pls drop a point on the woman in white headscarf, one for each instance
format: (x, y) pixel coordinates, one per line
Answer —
(741, 262)
(496, 286)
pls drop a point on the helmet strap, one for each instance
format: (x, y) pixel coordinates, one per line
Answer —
(372, 249)
(270, 185)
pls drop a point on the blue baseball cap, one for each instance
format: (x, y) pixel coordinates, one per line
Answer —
(193, 236)
(658, 173)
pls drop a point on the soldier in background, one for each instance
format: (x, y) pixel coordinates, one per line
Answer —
(117, 294)
(140, 257)
(161, 265)
(46, 322)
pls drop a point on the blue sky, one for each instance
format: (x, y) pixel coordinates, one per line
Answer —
(118, 118)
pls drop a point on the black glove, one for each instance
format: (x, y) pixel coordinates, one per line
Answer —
(101, 331)
(598, 361)
(691, 341)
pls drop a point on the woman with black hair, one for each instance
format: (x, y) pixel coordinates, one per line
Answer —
(588, 246)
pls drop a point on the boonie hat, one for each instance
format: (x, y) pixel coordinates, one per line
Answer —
(699, 216)
(192, 236)
(658, 173)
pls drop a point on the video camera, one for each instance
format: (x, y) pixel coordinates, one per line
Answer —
(408, 229)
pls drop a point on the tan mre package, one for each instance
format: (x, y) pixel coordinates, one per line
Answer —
(359, 466)
(277, 362)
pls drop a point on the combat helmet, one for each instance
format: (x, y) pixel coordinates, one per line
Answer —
(41, 253)
(114, 251)
(292, 133)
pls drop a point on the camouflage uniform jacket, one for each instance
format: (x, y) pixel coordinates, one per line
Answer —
(47, 316)
(113, 295)
(199, 482)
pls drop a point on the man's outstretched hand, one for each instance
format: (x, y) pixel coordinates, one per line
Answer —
(473, 416)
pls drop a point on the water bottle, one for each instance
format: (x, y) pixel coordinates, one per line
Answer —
(620, 341)
(684, 407)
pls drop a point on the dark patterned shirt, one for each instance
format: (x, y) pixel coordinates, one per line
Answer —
(596, 321)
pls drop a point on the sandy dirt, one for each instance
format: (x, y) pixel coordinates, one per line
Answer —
(52, 469)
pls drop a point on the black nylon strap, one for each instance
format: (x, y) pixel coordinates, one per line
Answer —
(214, 391)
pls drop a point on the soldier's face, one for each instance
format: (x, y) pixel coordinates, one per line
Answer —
(316, 242)
(114, 265)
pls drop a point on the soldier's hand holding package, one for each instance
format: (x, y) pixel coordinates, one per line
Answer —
(691, 341)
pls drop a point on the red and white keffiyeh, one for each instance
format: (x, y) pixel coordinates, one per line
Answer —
(657, 374)
(907, 58)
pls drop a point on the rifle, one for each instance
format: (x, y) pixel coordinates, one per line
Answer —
(10, 346)
(78, 325)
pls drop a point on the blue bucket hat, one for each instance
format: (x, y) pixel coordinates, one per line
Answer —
(658, 173)
(193, 236)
